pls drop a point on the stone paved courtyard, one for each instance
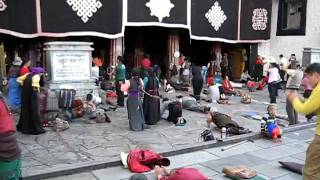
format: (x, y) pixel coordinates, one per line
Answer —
(210, 162)
(92, 143)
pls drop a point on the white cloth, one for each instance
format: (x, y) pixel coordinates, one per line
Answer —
(284, 61)
(95, 72)
(274, 75)
(213, 93)
(236, 85)
(245, 76)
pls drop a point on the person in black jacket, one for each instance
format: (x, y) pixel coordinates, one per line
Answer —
(221, 120)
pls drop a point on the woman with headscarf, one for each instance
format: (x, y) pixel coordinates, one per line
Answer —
(151, 105)
(29, 122)
(10, 163)
(134, 102)
(14, 95)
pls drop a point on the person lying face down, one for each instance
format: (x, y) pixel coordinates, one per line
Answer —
(162, 173)
(222, 120)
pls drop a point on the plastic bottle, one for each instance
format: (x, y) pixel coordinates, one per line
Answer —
(223, 133)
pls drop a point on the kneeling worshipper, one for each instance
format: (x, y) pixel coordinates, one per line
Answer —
(221, 120)
(29, 122)
(10, 163)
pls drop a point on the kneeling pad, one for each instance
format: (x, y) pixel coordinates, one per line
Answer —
(292, 166)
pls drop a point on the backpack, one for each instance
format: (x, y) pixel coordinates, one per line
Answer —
(207, 135)
(66, 96)
(175, 111)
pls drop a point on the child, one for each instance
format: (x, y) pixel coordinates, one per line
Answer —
(90, 108)
(269, 124)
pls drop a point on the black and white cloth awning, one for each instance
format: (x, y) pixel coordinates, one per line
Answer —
(18, 18)
(82, 17)
(166, 13)
(212, 20)
(255, 20)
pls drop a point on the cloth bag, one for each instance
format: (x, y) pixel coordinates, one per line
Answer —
(240, 172)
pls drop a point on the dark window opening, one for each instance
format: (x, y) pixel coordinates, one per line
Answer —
(292, 17)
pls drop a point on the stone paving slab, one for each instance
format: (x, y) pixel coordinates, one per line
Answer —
(191, 158)
(81, 176)
(244, 148)
(236, 160)
(291, 176)
(90, 143)
(277, 153)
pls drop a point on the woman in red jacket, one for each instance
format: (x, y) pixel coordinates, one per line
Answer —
(10, 163)
(227, 87)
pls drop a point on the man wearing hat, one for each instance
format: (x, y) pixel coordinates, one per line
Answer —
(14, 94)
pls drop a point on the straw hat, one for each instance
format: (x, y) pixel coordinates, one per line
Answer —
(272, 60)
(17, 61)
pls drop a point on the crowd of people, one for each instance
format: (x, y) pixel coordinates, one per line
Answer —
(144, 104)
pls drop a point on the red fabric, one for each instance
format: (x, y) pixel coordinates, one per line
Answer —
(227, 85)
(263, 83)
(180, 61)
(210, 80)
(111, 95)
(6, 119)
(146, 63)
(259, 61)
(24, 70)
(140, 161)
(185, 174)
(251, 84)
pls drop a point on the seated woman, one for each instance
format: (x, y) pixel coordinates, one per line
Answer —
(227, 87)
(245, 77)
(222, 120)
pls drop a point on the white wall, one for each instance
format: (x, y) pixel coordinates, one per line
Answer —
(288, 45)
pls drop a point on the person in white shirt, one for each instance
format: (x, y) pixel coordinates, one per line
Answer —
(245, 77)
(273, 82)
(213, 93)
(95, 73)
(283, 66)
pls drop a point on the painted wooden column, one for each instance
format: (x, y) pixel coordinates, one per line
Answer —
(116, 49)
(173, 46)
(2, 62)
